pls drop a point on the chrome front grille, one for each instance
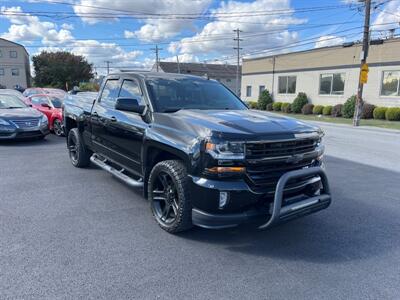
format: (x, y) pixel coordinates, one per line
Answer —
(26, 123)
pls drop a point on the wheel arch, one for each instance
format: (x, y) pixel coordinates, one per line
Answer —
(155, 153)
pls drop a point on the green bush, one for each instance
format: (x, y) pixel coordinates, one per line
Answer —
(317, 110)
(393, 114)
(252, 104)
(276, 106)
(298, 103)
(89, 87)
(264, 99)
(349, 107)
(367, 111)
(286, 107)
(327, 111)
(269, 107)
(307, 109)
(337, 110)
(380, 113)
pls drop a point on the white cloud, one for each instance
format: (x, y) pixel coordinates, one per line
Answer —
(153, 29)
(97, 53)
(329, 40)
(67, 26)
(260, 31)
(389, 14)
(28, 28)
(183, 58)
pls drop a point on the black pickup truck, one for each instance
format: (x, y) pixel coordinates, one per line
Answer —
(200, 155)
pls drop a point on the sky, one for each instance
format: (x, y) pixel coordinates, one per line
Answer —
(124, 32)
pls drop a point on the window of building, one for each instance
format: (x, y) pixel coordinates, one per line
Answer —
(15, 72)
(110, 92)
(331, 84)
(1, 72)
(248, 91)
(287, 84)
(261, 89)
(13, 54)
(390, 83)
(1, 54)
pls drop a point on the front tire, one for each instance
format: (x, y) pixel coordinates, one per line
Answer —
(57, 127)
(78, 153)
(168, 190)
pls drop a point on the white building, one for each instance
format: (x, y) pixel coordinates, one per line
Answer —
(14, 65)
(327, 75)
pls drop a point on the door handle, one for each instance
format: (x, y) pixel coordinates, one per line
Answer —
(113, 119)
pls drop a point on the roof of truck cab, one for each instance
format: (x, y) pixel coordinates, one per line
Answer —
(149, 75)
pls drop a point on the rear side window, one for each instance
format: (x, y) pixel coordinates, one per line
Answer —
(131, 89)
(110, 92)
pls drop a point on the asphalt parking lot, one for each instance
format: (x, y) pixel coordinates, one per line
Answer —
(79, 233)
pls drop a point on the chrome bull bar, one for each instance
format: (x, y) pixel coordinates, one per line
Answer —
(282, 213)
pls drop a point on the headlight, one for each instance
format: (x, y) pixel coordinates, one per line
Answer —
(4, 122)
(44, 120)
(226, 150)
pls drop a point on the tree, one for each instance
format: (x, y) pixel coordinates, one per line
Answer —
(55, 69)
(264, 99)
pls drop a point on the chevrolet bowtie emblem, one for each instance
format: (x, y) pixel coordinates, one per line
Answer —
(295, 158)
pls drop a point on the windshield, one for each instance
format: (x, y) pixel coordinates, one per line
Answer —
(10, 101)
(57, 102)
(170, 95)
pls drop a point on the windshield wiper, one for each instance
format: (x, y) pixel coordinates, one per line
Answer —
(13, 107)
(171, 110)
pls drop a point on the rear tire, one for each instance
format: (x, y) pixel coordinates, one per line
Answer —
(78, 153)
(168, 190)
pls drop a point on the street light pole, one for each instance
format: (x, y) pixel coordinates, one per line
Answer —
(363, 66)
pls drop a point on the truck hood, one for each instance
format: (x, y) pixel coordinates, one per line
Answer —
(234, 123)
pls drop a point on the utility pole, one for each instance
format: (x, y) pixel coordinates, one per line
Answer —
(238, 40)
(179, 66)
(108, 66)
(363, 66)
(156, 50)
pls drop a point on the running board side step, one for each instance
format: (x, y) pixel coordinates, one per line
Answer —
(102, 163)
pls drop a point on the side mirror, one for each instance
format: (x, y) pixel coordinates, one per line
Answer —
(129, 104)
(45, 105)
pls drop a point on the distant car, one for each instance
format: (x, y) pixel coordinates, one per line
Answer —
(50, 105)
(14, 93)
(33, 91)
(52, 91)
(19, 121)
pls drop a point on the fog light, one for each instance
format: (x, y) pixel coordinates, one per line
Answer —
(223, 199)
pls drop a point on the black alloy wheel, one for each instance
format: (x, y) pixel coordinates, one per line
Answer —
(165, 199)
(168, 191)
(78, 153)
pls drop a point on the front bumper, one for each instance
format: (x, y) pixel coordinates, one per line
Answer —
(244, 204)
(20, 133)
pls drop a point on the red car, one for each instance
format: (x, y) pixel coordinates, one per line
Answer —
(50, 105)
